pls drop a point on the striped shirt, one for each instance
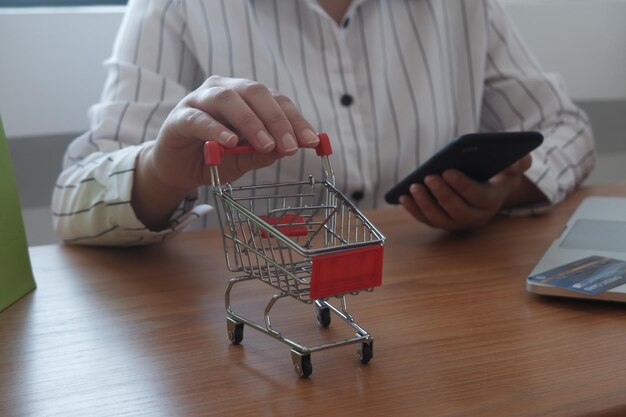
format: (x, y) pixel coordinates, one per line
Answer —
(391, 84)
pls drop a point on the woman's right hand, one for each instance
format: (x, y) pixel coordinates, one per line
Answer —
(230, 111)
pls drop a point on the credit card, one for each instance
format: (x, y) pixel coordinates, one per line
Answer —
(591, 275)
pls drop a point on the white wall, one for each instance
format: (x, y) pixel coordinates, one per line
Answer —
(51, 66)
(584, 40)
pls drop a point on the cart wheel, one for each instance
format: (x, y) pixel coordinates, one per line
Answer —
(303, 368)
(366, 352)
(235, 331)
(323, 316)
(301, 363)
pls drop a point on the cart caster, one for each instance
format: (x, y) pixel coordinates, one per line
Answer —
(302, 364)
(323, 316)
(235, 331)
(366, 352)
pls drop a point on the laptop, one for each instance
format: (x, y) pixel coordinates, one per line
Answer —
(588, 260)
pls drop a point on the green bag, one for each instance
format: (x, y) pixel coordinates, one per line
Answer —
(16, 275)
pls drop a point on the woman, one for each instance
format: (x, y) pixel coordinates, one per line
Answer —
(390, 81)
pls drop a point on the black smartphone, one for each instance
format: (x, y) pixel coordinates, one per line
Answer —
(479, 155)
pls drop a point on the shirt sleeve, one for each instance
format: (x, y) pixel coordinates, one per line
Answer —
(519, 95)
(151, 69)
(91, 203)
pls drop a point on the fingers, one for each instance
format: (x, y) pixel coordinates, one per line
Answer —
(269, 114)
(475, 193)
(454, 203)
(430, 208)
(411, 206)
(193, 123)
(431, 212)
(266, 119)
(462, 214)
(439, 205)
(303, 130)
(226, 105)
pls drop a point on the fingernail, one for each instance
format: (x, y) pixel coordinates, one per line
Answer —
(432, 183)
(265, 140)
(309, 137)
(289, 142)
(228, 138)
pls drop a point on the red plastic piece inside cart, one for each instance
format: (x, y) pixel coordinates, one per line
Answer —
(289, 225)
(346, 271)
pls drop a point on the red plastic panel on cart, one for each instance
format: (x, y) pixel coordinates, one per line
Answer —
(289, 225)
(346, 271)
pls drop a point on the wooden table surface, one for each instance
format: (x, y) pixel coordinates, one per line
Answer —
(131, 332)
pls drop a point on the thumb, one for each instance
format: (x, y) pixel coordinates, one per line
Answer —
(251, 161)
(519, 167)
(512, 172)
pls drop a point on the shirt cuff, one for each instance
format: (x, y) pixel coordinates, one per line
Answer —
(121, 214)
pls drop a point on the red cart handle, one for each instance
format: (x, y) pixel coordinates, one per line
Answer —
(213, 151)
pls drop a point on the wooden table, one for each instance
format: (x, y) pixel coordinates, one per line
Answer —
(142, 332)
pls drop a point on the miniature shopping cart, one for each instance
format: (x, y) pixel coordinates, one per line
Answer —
(307, 240)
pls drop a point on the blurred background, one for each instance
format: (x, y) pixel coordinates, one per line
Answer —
(51, 72)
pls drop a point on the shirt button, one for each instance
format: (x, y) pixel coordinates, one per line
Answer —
(346, 23)
(347, 100)
(358, 195)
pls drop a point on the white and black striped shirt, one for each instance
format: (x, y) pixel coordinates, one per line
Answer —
(391, 84)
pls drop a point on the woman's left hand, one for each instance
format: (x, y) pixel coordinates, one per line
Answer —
(454, 202)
